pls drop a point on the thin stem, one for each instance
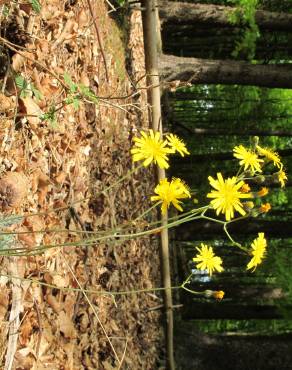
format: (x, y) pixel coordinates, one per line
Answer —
(129, 173)
(231, 239)
(92, 291)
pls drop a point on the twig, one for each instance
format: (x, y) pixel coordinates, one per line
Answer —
(124, 353)
(98, 38)
(9, 45)
(14, 321)
(111, 6)
(37, 351)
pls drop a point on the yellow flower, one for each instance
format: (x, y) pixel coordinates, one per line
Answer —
(265, 208)
(270, 155)
(177, 144)
(263, 192)
(151, 148)
(219, 294)
(207, 259)
(170, 192)
(227, 196)
(248, 158)
(258, 246)
(282, 177)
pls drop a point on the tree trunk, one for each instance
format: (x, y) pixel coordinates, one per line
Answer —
(219, 156)
(232, 132)
(207, 230)
(202, 71)
(217, 15)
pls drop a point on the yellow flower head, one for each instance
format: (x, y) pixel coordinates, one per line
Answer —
(151, 148)
(177, 144)
(207, 260)
(263, 192)
(218, 294)
(265, 208)
(248, 158)
(282, 177)
(170, 192)
(270, 156)
(258, 246)
(227, 196)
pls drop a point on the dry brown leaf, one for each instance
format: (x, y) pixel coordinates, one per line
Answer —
(66, 326)
(25, 332)
(32, 110)
(5, 103)
(13, 189)
(40, 182)
(66, 33)
(61, 177)
(26, 239)
(82, 18)
(60, 281)
(107, 365)
(53, 302)
(17, 62)
(4, 300)
(48, 88)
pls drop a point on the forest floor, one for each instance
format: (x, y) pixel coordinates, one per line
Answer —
(80, 146)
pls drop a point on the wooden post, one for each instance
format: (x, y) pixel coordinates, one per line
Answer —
(150, 27)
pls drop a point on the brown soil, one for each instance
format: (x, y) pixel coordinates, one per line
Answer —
(66, 160)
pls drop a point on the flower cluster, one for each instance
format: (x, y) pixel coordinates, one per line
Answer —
(152, 148)
(231, 197)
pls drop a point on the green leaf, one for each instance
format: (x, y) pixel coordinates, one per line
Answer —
(20, 82)
(87, 93)
(22, 85)
(5, 11)
(76, 103)
(36, 6)
(72, 86)
(36, 92)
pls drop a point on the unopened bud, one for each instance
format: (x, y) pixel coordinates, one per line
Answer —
(259, 179)
(263, 192)
(264, 208)
(219, 294)
(248, 206)
(245, 188)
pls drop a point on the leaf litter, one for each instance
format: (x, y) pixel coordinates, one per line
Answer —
(66, 146)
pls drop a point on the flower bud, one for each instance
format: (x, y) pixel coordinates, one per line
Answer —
(264, 208)
(263, 192)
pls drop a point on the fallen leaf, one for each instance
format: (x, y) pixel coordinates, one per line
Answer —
(66, 326)
(32, 110)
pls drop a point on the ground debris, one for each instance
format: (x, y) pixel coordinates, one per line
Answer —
(68, 149)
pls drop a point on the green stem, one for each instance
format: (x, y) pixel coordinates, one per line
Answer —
(103, 292)
(231, 239)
